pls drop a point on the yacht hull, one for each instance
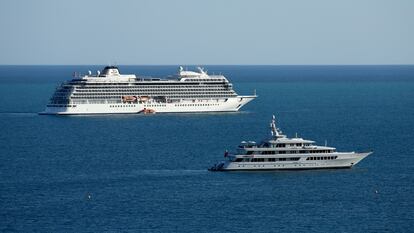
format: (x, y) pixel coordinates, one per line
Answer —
(344, 160)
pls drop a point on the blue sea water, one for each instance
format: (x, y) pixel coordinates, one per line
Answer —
(140, 173)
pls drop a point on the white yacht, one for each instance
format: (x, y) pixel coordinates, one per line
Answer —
(282, 153)
(110, 92)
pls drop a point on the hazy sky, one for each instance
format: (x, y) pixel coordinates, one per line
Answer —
(207, 32)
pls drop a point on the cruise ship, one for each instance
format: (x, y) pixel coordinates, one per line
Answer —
(109, 92)
(282, 153)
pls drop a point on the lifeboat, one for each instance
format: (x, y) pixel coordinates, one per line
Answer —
(143, 98)
(148, 111)
(129, 99)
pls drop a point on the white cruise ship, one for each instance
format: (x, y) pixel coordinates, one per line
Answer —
(283, 153)
(110, 92)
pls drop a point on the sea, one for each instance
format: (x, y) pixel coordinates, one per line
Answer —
(148, 173)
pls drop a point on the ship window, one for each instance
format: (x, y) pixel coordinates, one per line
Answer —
(258, 160)
(246, 160)
(271, 159)
(238, 160)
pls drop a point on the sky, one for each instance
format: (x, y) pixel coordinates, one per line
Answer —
(206, 32)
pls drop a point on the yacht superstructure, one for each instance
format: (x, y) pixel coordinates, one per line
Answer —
(280, 152)
(110, 92)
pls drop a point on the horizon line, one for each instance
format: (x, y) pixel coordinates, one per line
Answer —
(384, 64)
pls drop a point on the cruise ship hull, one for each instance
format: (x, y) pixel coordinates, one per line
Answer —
(231, 104)
(344, 160)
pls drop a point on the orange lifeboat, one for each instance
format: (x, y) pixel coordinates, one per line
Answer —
(143, 98)
(129, 99)
(148, 111)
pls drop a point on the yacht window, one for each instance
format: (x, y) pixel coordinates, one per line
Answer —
(238, 160)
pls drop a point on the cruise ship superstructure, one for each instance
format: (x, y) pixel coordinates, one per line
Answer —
(110, 92)
(283, 153)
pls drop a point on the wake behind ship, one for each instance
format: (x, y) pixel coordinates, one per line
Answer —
(110, 92)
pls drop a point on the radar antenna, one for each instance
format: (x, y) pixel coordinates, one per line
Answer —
(201, 69)
(275, 131)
